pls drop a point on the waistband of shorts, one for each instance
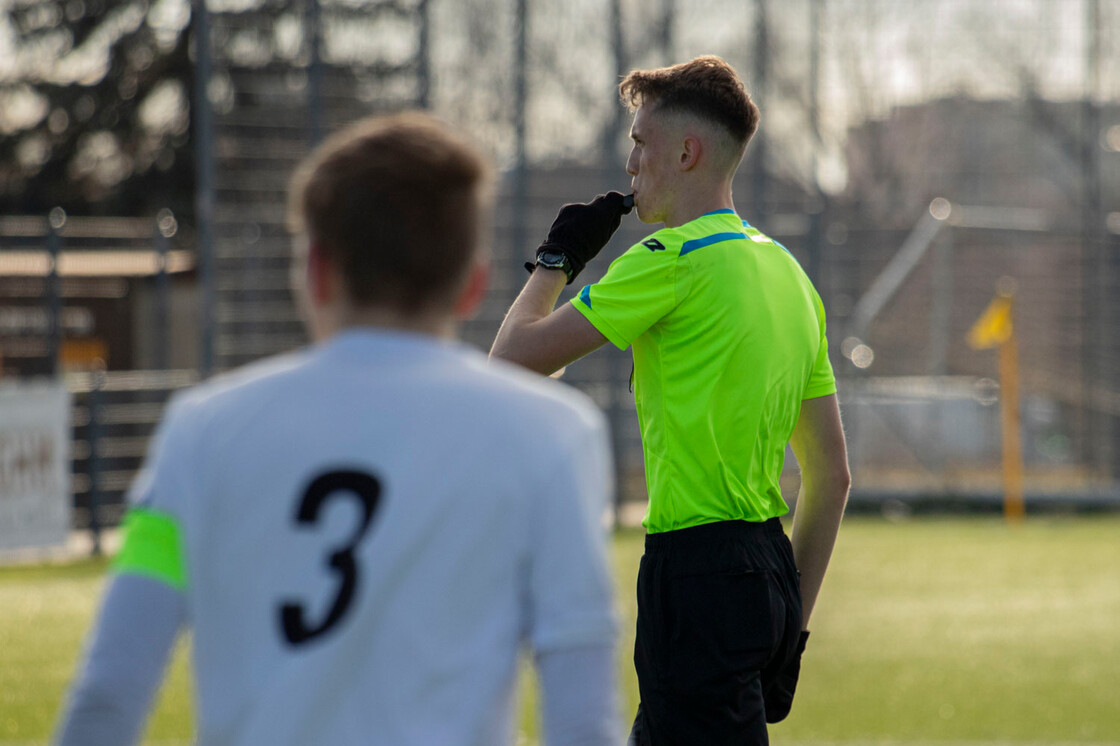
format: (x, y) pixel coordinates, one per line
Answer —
(698, 536)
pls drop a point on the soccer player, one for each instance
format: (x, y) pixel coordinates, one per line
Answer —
(730, 365)
(362, 535)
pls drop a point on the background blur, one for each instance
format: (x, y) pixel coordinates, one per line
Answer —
(910, 155)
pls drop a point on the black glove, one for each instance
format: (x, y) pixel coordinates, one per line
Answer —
(581, 230)
(779, 695)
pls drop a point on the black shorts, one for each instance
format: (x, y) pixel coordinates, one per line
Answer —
(719, 613)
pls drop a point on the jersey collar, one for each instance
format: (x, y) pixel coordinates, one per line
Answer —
(726, 211)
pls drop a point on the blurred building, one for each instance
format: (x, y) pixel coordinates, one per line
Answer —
(1030, 196)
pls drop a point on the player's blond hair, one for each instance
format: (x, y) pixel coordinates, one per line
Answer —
(706, 87)
(399, 203)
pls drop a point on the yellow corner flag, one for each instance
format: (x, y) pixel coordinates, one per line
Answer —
(993, 328)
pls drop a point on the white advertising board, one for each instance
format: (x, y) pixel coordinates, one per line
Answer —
(35, 500)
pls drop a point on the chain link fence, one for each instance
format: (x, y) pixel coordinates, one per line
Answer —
(910, 156)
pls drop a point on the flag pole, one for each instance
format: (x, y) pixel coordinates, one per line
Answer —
(1013, 507)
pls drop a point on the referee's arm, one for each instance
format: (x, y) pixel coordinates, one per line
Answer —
(818, 443)
(538, 338)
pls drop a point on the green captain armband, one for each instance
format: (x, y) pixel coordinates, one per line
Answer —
(152, 548)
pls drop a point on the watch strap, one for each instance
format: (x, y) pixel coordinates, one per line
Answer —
(566, 266)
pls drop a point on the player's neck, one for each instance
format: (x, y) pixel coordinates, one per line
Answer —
(693, 203)
(434, 324)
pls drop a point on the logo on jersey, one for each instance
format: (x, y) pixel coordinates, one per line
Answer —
(653, 245)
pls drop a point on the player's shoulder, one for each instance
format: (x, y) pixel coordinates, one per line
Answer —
(780, 251)
(665, 244)
(781, 255)
(713, 227)
(532, 396)
(229, 391)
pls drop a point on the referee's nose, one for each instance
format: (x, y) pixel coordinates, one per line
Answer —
(632, 162)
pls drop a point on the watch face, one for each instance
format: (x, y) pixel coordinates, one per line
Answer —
(551, 259)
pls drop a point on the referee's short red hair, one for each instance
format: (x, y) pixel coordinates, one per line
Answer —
(400, 204)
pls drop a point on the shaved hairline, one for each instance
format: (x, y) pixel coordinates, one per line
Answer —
(728, 151)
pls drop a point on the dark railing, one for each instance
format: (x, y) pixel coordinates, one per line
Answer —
(113, 418)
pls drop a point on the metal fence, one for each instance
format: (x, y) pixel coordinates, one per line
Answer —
(78, 295)
(910, 155)
(114, 416)
(69, 288)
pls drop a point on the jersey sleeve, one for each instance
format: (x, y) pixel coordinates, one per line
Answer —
(639, 288)
(822, 380)
(125, 657)
(570, 593)
(153, 545)
(578, 699)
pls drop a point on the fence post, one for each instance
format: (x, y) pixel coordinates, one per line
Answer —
(759, 90)
(424, 56)
(55, 222)
(165, 229)
(941, 312)
(617, 362)
(205, 199)
(520, 132)
(668, 19)
(316, 102)
(820, 199)
(93, 435)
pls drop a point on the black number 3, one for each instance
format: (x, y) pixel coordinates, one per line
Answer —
(367, 490)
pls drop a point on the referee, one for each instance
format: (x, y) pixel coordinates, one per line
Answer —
(730, 364)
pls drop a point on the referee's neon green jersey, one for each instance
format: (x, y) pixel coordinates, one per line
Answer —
(729, 338)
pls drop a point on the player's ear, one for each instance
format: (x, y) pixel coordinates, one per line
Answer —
(473, 291)
(322, 277)
(690, 152)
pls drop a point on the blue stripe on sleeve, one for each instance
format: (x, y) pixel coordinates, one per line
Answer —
(585, 295)
(699, 243)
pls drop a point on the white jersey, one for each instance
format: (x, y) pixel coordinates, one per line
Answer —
(370, 530)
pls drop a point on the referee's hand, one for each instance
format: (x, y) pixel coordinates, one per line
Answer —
(582, 229)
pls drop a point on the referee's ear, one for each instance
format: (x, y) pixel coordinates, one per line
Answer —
(691, 149)
(473, 291)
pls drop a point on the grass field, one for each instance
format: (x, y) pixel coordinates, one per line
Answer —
(929, 631)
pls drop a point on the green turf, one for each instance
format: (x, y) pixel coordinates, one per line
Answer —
(46, 610)
(944, 631)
